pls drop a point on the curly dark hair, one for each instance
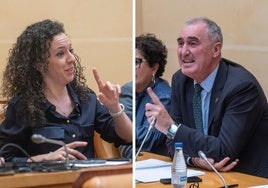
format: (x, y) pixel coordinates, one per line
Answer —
(21, 78)
(153, 50)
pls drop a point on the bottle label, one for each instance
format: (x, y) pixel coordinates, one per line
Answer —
(178, 179)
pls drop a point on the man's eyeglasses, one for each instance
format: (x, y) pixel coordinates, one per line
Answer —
(138, 62)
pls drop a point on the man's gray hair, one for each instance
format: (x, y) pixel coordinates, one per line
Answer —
(214, 31)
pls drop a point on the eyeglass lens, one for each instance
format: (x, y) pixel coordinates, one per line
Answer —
(138, 62)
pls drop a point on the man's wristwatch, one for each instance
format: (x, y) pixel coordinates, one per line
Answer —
(172, 130)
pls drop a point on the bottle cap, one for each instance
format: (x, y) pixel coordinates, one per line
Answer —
(178, 144)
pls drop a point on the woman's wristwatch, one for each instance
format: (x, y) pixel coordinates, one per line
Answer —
(172, 130)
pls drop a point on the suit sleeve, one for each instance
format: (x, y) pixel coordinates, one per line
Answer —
(240, 108)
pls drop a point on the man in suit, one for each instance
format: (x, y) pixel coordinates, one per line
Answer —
(232, 126)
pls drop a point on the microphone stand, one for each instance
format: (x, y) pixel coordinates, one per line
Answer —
(37, 138)
(204, 157)
(150, 127)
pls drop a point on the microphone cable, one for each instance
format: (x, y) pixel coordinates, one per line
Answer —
(16, 146)
(150, 127)
(33, 165)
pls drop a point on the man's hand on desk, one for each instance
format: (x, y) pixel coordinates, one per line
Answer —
(220, 166)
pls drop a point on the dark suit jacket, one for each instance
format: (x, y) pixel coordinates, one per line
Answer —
(238, 123)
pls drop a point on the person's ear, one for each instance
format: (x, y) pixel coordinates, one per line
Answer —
(155, 68)
(217, 49)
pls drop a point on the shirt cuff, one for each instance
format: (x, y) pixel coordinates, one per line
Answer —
(189, 161)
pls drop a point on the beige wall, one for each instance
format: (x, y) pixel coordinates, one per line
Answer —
(101, 32)
(243, 23)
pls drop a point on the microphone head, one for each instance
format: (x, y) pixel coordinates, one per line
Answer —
(202, 155)
(37, 138)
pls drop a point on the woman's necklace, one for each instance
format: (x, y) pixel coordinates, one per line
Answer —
(64, 104)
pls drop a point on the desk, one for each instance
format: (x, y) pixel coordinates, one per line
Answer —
(62, 179)
(210, 179)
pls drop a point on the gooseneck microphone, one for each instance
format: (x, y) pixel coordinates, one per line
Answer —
(203, 156)
(37, 138)
(150, 127)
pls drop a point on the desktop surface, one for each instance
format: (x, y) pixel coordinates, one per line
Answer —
(210, 179)
(59, 178)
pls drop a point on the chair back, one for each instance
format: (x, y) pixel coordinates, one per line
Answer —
(103, 149)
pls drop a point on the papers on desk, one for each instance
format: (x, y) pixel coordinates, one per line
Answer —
(97, 162)
(151, 170)
(260, 186)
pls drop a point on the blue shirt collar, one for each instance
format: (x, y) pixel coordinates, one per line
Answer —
(207, 84)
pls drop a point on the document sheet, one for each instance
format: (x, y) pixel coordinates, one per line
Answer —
(151, 170)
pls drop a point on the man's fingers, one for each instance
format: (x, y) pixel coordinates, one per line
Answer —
(220, 166)
(228, 167)
(222, 163)
(97, 78)
(153, 96)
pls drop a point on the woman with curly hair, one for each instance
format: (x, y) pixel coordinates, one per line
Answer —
(151, 59)
(48, 95)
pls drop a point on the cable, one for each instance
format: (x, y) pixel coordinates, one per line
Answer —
(16, 146)
(34, 166)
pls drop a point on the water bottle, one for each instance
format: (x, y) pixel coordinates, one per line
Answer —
(178, 167)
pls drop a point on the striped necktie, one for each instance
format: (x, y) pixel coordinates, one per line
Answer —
(197, 107)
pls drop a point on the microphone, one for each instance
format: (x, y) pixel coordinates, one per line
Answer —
(37, 138)
(203, 156)
(150, 127)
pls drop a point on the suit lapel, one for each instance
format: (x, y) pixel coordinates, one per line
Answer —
(189, 93)
(217, 91)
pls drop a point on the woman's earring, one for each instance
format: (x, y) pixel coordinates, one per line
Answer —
(153, 78)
